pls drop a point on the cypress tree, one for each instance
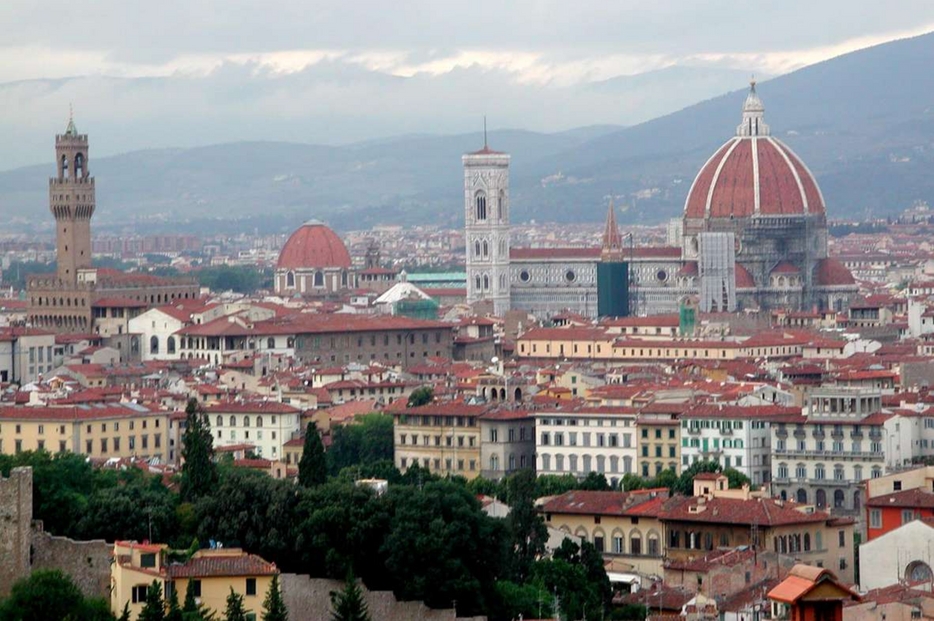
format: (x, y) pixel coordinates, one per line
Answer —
(312, 467)
(199, 473)
(273, 606)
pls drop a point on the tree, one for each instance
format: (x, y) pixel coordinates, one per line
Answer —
(273, 606)
(125, 615)
(191, 610)
(50, 594)
(526, 528)
(685, 483)
(312, 468)
(235, 610)
(198, 470)
(421, 396)
(175, 611)
(154, 608)
(348, 604)
(366, 441)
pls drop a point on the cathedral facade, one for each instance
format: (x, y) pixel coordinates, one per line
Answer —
(753, 236)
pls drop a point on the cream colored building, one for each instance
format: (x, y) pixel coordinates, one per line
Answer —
(214, 572)
(97, 431)
(623, 526)
(441, 437)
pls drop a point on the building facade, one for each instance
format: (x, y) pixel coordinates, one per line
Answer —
(265, 425)
(443, 438)
(507, 443)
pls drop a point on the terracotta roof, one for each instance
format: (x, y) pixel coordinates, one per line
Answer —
(225, 564)
(764, 512)
(744, 279)
(251, 407)
(831, 272)
(785, 268)
(579, 502)
(909, 498)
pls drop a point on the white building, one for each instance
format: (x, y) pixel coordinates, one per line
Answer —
(581, 441)
(155, 330)
(841, 438)
(906, 553)
(734, 436)
(266, 425)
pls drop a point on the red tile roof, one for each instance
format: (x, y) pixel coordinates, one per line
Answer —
(580, 502)
(226, 564)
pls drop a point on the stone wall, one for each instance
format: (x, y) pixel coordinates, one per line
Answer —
(87, 562)
(309, 598)
(15, 524)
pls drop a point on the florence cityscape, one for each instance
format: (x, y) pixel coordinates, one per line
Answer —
(477, 312)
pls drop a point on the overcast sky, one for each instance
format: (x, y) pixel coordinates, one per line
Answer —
(198, 71)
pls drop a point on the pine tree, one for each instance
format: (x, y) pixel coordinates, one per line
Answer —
(198, 471)
(154, 608)
(125, 615)
(235, 610)
(348, 604)
(191, 610)
(175, 611)
(273, 606)
(312, 467)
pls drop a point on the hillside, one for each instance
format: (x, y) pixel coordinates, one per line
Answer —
(863, 122)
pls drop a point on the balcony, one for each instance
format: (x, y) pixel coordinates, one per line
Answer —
(694, 431)
(781, 433)
(727, 431)
(801, 434)
(830, 455)
(875, 435)
(837, 434)
(831, 482)
(818, 435)
(856, 435)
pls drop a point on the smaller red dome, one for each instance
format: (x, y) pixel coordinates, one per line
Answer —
(314, 245)
(744, 279)
(831, 272)
(785, 268)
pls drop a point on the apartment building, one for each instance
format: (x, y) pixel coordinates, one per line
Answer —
(265, 425)
(841, 438)
(582, 440)
(441, 437)
(507, 442)
(734, 436)
(99, 431)
(659, 438)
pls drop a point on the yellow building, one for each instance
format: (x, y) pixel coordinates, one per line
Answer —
(623, 526)
(97, 431)
(214, 572)
(658, 439)
(442, 437)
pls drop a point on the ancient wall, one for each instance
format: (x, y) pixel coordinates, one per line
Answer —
(87, 562)
(309, 598)
(15, 524)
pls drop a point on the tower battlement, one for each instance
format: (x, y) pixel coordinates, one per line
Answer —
(15, 527)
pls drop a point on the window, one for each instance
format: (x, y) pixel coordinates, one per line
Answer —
(196, 587)
(635, 546)
(875, 518)
(841, 538)
(480, 205)
(598, 543)
(251, 586)
(147, 560)
(617, 545)
(907, 515)
(139, 593)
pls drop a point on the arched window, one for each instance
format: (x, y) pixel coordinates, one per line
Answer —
(476, 248)
(154, 345)
(65, 166)
(79, 166)
(477, 283)
(271, 343)
(290, 279)
(501, 205)
(480, 204)
(220, 420)
(246, 421)
(319, 279)
(233, 421)
(486, 282)
(134, 344)
(170, 345)
(259, 421)
(486, 249)
(343, 279)
(494, 462)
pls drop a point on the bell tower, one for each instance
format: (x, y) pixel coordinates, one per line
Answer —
(486, 213)
(71, 201)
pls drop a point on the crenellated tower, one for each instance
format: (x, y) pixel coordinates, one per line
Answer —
(486, 212)
(72, 201)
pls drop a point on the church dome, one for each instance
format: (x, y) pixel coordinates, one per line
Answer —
(753, 174)
(314, 245)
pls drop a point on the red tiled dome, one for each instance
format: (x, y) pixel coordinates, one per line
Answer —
(314, 245)
(753, 174)
(830, 272)
(785, 268)
(744, 279)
